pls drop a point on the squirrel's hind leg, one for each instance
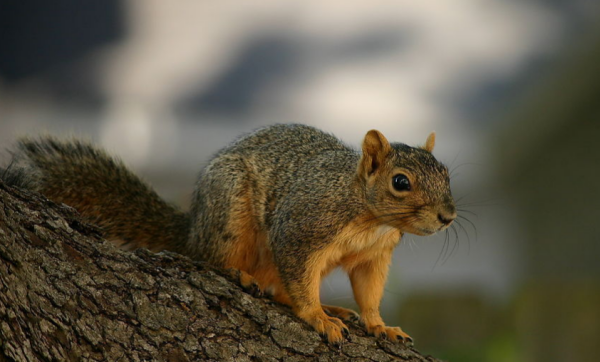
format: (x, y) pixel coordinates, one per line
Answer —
(248, 253)
(227, 231)
(265, 280)
(244, 244)
(243, 252)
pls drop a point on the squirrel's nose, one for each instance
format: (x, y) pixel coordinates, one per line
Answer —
(446, 218)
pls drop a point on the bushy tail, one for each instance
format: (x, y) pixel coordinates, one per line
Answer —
(102, 189)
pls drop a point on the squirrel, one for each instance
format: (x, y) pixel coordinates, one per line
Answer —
(284, 205)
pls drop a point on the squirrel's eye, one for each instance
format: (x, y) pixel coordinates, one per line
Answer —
(401, 183)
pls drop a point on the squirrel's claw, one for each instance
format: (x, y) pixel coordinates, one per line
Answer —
(254, 290)
(346, 332)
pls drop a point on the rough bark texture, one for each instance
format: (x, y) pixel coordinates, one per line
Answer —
(66, 294)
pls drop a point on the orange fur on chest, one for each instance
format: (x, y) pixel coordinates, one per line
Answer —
(360, 242)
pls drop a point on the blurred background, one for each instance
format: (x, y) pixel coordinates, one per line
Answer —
(511, 88)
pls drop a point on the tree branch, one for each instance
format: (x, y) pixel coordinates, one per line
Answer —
(67, 294)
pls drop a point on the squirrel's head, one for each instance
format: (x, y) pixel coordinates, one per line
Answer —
(406, 187)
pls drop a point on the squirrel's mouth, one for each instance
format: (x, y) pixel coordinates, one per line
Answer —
(443, 227)
(424, 231)
(422, 227)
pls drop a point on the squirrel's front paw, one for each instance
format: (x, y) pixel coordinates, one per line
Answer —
(331, 327)
(391, 333)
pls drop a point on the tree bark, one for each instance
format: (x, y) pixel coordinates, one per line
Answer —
(67, 294)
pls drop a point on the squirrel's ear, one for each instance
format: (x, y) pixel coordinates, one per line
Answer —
(375, 148)
(430, 143)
